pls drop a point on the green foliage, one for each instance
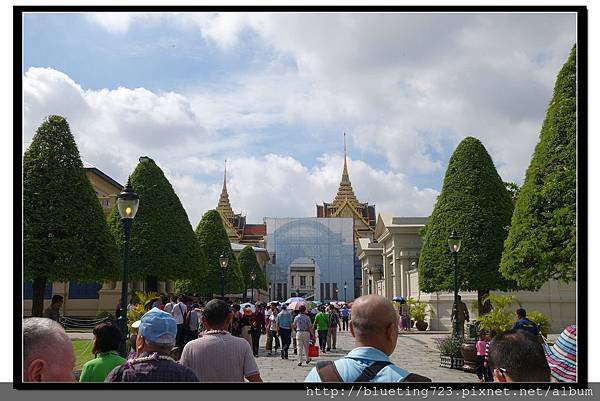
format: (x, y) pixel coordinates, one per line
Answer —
(65, 237)
(542, 321)
(513, 189)
(163, 244)
(139, 307)
(418, 311)
(449, 345)
(249, 264)
(214, 241)
(475, 202)
(541, 244)
(499, 319)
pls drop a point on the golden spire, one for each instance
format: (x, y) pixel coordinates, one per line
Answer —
(345, 177)
(224, 207)
(345, 191)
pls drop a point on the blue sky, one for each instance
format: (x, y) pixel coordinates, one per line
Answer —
(273, 93)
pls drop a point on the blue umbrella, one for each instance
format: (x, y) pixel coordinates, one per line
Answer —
(398, 298)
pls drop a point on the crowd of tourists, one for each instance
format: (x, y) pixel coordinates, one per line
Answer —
(185, 340)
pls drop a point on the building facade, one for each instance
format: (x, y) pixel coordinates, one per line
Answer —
(311, 258)
(389, 268)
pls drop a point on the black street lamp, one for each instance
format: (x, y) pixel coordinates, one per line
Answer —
(252, 278)
(223, 262)
(345, 286)
(454, 243)
(336, 294)
(127, 204)
(270, 286)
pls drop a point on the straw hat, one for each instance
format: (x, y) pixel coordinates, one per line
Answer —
(562, 356)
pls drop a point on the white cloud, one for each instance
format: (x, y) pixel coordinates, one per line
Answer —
(114, 127)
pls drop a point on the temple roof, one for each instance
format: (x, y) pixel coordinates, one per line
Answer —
(224, 207)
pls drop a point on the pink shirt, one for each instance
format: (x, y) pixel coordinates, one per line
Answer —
(480, 345)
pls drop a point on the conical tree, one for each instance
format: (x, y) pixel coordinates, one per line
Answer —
(541, 244)
(65, 237)
(475, 202)
(162, 245)
(214, 242)
(248, 265)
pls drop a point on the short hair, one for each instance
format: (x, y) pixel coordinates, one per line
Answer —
(108, 338)
(235, 307)
(38, 336)
(302, 308)
(521, 355)
(165, 347)
(56, 298)
(521, 312)
(216, 311)
(321, 308)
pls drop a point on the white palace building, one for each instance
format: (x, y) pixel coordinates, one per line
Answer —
(389, 268)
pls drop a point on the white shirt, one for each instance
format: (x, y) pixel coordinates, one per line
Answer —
(178, 311)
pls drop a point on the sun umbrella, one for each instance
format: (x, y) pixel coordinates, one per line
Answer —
(294, 299)
(398, 298)
(296, 305)
(252, 308)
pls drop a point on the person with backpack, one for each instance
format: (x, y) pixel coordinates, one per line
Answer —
(334, 324)
(374, 326)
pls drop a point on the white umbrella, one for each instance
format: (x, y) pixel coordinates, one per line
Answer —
(252, 308)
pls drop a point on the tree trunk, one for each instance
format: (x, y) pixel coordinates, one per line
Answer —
(483, 307)
(37, 307)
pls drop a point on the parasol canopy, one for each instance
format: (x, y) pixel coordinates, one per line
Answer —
(252, 308)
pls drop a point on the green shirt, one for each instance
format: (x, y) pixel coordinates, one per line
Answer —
(322, 320)
(97, 369)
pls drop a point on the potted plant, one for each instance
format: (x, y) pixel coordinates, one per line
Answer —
(418, 314)
(498, 319)
(449, 348)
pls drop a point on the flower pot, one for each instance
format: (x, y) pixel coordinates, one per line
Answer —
(451, 362)
(457, 362)
(445, 361)
(421, 326)
(469, 354)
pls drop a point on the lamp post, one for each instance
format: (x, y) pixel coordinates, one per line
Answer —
(223, 262)
(454, 244)
(270, 286)
(336, 294)
(252, 278)
(127, 204)
(345, 286)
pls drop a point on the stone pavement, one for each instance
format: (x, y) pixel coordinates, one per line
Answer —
(414, 352)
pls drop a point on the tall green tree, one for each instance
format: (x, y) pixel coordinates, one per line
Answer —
(65, 237)
(162, 245)
(214, 241)
(475, 202)
(248, 265)
(541, 244)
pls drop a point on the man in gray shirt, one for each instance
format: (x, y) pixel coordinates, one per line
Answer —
(217, 356)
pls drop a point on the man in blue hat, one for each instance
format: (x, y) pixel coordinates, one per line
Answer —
(156, 337)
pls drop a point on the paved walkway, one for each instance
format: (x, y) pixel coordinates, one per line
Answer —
(414, 352)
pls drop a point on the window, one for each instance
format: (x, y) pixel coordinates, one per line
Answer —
(28, 290)
(302, 281)
(84, 290)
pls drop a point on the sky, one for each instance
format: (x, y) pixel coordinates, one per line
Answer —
(273, 94)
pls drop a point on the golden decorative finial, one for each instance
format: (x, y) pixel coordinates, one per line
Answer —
(345, 177)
